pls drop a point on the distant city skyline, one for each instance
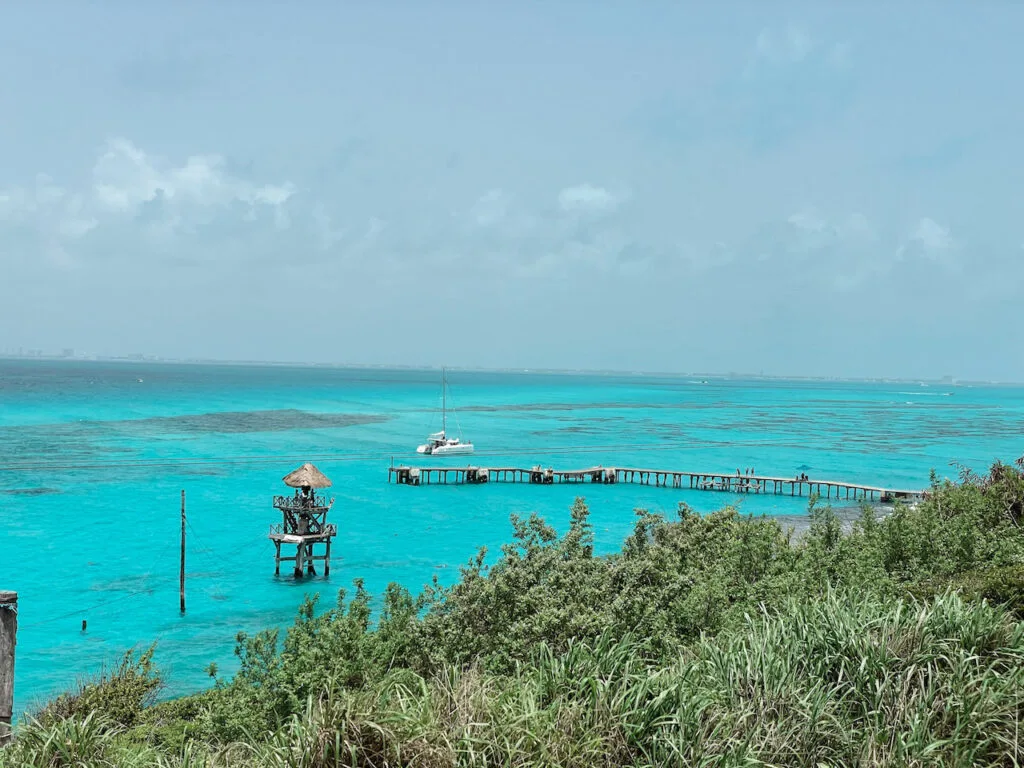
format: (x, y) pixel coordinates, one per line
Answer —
(805, 189)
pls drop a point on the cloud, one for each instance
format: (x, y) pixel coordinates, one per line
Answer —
(587, 198)
(807, 220)
(932, 244)
(822, 253)
(137, 202)
(852, 226)
(126, 177)
(202, 210)
(814, 251)
(932, 235)
(791, 44)
(851, 244)
(586, 229)
(491, 208)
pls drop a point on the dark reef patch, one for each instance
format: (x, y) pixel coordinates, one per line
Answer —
(240, 422)
(532, 407)
(29, 491)
(84, 442)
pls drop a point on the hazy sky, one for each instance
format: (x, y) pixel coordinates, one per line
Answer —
(821, 188)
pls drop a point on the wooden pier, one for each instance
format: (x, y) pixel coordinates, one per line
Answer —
(696, 481)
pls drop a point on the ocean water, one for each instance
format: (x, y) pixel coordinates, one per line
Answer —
(94, 456)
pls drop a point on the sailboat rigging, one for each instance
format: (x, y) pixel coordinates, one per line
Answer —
(439, 444)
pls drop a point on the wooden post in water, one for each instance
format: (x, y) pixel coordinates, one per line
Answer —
(8, 637)
(181, 571)
(300, 558)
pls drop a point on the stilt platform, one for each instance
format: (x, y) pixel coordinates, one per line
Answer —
(304, 552)
(696, 481)
(304, 523)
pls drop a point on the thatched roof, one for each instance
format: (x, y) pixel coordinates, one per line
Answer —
(305, 475)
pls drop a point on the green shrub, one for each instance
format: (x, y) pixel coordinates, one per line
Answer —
(1003, 585)
(119, 695)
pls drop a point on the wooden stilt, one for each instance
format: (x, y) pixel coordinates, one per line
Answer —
(181, 575)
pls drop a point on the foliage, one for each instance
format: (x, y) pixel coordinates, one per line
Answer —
(120, 694)
(707, 640)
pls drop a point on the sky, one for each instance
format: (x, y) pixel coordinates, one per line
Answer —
(787, 188)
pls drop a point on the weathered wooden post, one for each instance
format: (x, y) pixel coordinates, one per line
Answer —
(181, 569)
(8, 637)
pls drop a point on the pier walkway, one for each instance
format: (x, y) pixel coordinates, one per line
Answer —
(698, 481)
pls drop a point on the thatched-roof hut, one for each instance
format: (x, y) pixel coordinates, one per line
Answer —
(304, 522)
(307, 476)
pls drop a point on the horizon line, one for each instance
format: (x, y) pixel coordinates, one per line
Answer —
(135, 359)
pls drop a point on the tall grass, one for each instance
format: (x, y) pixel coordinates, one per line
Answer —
(839, 681)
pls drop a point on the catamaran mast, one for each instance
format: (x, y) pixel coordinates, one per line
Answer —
(444, 402)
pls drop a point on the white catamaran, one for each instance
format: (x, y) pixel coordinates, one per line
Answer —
(439, 444)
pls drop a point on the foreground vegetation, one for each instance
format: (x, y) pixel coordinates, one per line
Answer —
(716, 640)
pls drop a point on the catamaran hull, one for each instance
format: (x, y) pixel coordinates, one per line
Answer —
(453, 450)
(463, 449)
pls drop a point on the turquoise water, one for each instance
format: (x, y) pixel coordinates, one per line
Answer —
(93, 460)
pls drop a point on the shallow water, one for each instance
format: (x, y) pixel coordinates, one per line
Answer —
(93, 461)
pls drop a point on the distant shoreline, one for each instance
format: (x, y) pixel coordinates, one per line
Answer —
(610, 373)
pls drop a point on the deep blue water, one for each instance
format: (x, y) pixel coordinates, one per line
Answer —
(93, 461)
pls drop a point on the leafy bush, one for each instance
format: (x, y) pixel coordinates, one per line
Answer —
(837, 681)
(120, 695)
